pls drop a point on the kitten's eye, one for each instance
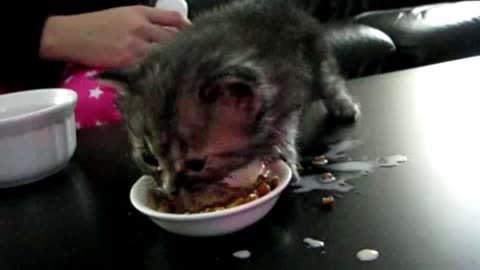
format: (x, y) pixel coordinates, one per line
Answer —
(239, 90)
(150, 160)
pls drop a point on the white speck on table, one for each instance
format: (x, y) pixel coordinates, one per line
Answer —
(366, 255)
(242, 254)
(312, 243)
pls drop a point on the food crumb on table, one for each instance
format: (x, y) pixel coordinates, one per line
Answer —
(329, 200)
(242, 254)
(366, 255)
(312, 243)
(327, 177)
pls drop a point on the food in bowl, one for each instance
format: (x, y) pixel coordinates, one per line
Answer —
(216, 196)
(219, 222)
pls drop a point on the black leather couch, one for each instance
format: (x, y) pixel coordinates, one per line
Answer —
(377, 36)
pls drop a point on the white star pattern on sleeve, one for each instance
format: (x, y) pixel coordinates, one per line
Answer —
(95, 93)
(90, 73)
(77, 125)
(98, 123)
(67, 80)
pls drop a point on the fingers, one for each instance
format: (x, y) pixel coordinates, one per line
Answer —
(166, 18)
(160, 34)
(136, 52)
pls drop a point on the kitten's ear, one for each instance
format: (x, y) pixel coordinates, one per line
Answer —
(236, 91)
(121, 79)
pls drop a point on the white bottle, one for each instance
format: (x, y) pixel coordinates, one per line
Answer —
(180, 6)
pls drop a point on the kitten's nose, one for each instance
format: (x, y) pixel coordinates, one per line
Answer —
(195, 165)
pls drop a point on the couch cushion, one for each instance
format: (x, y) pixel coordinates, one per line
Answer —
(430, 33)
(325, 10)
(334, 10)
(361, 50)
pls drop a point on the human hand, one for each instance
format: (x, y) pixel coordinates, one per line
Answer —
(110, 38)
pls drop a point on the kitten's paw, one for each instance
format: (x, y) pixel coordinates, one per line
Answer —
(344, 109)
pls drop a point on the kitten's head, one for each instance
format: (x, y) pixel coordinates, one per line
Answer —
(196, 114)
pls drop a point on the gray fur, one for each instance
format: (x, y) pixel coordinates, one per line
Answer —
(279, 45)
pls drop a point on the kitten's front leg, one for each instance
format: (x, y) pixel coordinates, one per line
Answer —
(340, 104)
(289, 153)
(328, 84)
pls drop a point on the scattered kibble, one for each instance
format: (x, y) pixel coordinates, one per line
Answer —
(262, 189)
(320, 160)
(329, 200)
(327, 177)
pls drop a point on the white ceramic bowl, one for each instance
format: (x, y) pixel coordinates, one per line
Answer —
(214, 223)
(37, 134)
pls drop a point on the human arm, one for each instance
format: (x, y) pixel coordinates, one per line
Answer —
(28, 63)
(109, 38)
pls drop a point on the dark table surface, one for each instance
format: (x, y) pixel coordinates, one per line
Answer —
(424, 214)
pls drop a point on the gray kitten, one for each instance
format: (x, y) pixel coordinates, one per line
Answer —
(230, 88)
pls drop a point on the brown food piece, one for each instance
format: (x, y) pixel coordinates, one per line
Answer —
(329, 200)
(262, 189)
(252, 197)
(271, 181)
(320, 160)
(216, 196)
(327, 177)
(209, 196)
(164, 206)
